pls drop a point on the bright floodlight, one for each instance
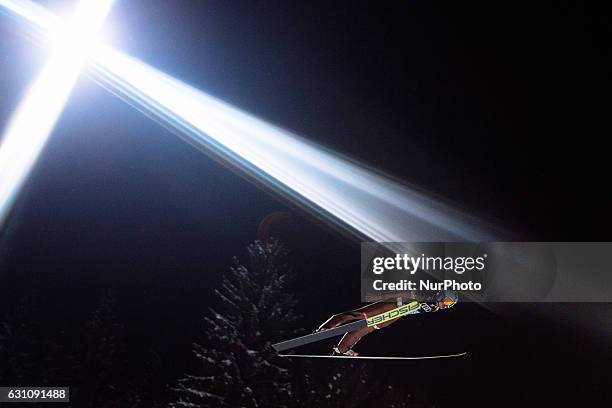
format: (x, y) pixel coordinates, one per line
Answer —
(36, 115)
(342, 191)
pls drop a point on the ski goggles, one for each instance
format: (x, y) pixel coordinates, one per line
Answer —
(448, 302)
(447, 298)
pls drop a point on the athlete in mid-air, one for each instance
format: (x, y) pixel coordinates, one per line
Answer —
(438, 301)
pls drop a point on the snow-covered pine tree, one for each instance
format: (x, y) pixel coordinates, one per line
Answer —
(237, 366)
(331, 384)
(27, 352)
(5, 332)
(102, 362)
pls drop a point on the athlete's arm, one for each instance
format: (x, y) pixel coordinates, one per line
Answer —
(372, 309)
(350, 339)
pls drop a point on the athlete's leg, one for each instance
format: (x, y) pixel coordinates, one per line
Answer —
(349, 340)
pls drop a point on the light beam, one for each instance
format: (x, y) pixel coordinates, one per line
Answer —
(36, 115)
(367, 203)
(344, 191)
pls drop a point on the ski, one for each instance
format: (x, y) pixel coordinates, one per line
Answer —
(320, 335)
(376, 357)
(413, 307)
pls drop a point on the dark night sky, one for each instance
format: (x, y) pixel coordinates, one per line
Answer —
(494, 107)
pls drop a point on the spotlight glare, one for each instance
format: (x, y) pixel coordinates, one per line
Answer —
(348, 194)
(367, 203)
(34, 118)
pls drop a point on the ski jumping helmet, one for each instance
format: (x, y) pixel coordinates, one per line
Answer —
(448, 298)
